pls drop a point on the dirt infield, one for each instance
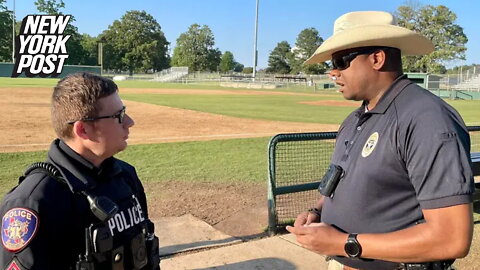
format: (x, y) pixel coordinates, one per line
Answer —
(27, 126)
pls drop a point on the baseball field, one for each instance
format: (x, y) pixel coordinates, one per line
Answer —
(199, 149)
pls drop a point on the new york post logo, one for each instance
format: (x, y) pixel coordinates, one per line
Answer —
(41, 46)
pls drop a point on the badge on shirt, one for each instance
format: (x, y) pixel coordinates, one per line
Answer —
(19, 226)
(370, 145)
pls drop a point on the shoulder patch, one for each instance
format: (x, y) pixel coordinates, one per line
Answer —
(13, 266)
(19, 226)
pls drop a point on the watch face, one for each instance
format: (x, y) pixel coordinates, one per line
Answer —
(352, 248)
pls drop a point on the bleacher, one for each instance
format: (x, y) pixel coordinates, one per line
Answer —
(291, 78)
(472, 84)
(170, 75)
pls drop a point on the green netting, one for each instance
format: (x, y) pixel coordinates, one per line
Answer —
(296, 160)
(475, 138)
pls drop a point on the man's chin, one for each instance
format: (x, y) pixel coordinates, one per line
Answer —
(350, 97)
(347, 97)
(121, 148)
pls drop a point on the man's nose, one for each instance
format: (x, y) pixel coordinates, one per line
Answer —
(128, 121)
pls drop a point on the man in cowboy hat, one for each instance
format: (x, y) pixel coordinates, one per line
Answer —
(403, 198)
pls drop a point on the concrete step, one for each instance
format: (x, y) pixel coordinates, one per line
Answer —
(189, 243)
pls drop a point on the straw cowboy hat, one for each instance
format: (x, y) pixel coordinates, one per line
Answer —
(370, 28)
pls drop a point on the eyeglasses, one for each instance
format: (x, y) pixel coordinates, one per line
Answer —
(342, 61)
(119, 115)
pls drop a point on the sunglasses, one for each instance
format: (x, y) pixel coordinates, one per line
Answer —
(119, 115)
(342, 61)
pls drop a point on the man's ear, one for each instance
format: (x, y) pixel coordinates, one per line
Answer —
(81, 130)
(379, 59)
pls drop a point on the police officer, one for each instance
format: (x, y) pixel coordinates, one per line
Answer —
(83, 209)
(403, 197)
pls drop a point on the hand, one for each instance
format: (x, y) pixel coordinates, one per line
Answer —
(306, 218)
(320, 238)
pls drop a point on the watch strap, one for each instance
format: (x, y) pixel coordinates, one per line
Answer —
(352, 246)
(316, 211)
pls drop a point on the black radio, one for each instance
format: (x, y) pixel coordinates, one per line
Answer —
(330, 180)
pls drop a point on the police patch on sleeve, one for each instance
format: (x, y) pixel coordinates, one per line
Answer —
(19, 226)
(370, 145)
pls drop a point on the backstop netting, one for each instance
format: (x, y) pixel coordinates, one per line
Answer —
(296, 165)
(474, 138)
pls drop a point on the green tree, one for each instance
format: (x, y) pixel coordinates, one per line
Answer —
(49, 6)
(195, 49)
(247, 70)
(307, 42)
(227, 62)
(238, 67)
(135, 43)
(5, 33)
(437, 23)
(76, 52)
(90, 45)
(278, 61)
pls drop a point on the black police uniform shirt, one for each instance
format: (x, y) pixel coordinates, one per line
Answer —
(43, 221)
(411, 152)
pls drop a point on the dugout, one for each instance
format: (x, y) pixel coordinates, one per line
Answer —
(425, 80)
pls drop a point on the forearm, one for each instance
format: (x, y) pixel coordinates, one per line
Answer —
(439, 238)
(446, 234)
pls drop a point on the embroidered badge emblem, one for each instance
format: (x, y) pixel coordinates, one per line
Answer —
(370, 145)
(14, 266)
(19, 226)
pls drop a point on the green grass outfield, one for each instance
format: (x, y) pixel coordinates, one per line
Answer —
(278, 107)
(49, 82)
(267, 107)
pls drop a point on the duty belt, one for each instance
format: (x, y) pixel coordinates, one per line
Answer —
(442, 265)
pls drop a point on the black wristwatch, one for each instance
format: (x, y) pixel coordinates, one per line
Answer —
(352, 246)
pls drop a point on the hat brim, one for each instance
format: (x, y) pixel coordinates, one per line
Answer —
(409, 42)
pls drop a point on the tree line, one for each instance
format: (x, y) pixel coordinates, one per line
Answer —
(437, 23)
(136, 43)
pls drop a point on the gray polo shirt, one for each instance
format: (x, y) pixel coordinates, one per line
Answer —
(411, 152)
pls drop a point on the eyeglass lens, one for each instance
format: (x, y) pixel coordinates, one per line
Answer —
(342, 62)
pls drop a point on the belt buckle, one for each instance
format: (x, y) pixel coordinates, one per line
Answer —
(416, 266)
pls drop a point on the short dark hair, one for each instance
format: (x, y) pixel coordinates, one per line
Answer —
(76, 97)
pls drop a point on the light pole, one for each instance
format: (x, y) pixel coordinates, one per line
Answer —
(100, 56)
(13, 33)
(255, 53)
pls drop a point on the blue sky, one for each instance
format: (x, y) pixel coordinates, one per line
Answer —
(233, 21)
